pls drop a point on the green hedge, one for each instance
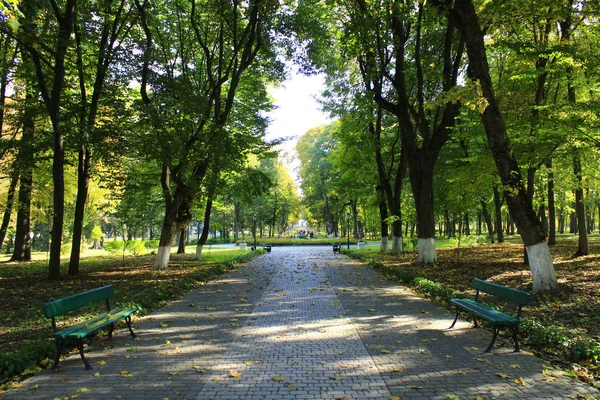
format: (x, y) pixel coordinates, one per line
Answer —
(297, 242)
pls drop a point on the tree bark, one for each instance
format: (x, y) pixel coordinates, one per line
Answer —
(182, 236)
(353, 207)
(383, 215)
(498, 212)
(237, 209)
(551, 206)
(83, 182)
(530, 228)
(421, 177)
(205, 230)
(177, 215)
(488, 219)
(26, 160)
(10, 199)
(583, 247)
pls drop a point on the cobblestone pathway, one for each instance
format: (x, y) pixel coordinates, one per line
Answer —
(302, 323)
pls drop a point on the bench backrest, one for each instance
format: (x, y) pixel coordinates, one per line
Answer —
(515, 295)
(73, 302)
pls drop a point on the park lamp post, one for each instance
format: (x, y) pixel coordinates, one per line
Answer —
(254, 218)
(348, 228)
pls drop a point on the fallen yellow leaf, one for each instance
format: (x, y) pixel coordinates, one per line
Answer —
(520, 382)
(234, 374)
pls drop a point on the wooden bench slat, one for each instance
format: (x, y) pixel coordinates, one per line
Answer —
(492, 315)
(84, 328)
(515, 295)
(73, 302)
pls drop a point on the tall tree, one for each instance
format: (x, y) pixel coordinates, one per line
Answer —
(464, 17)
(49, 61)
(194, 93)
(99, 35)
(26, 161)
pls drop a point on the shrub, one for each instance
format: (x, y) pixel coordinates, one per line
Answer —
(136, 247)
(26, 358)
(114, 246)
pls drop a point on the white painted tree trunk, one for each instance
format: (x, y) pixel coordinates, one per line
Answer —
(396, 244)
(542, 269)
(384, 244)
(161, 262)
(427, 251)
(199, 252)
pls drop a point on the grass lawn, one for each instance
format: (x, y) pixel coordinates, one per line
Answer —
(568, 315)
(24, 288)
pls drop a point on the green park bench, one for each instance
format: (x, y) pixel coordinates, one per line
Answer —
(78, 332)
(497, 318)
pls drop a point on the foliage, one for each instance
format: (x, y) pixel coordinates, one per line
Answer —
(28, 356)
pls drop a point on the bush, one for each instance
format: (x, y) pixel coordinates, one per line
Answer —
(410, 243)
(151, 244)
(26, 358)
(114, 246)
(65, 248)
(136, 247)
(475, 240)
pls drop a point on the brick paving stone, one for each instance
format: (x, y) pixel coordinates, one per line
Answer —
(302, 323)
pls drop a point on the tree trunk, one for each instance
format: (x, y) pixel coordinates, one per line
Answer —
(83, 182)
(583, 247)
(237, 228)
(182, 236)
(52, 99)
(488, 219)
(10, 199)
(205, 230)
(167, 233)
(383, 215)
(26, 159)
(530, 228)
(421, 179)
(353, 207)
(551, 206)
(498, 212)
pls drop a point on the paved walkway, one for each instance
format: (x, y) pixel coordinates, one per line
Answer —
(302, 323)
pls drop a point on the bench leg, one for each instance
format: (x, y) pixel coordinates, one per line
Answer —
(496, 331)
(128, 320)
(57, 358)
(455, 319)
(475, 324)
(85, 361)
(515, 331)
(110, 330)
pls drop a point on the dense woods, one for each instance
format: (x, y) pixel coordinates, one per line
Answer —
(145, 121)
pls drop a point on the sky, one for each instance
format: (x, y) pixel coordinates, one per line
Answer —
(297, 110)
